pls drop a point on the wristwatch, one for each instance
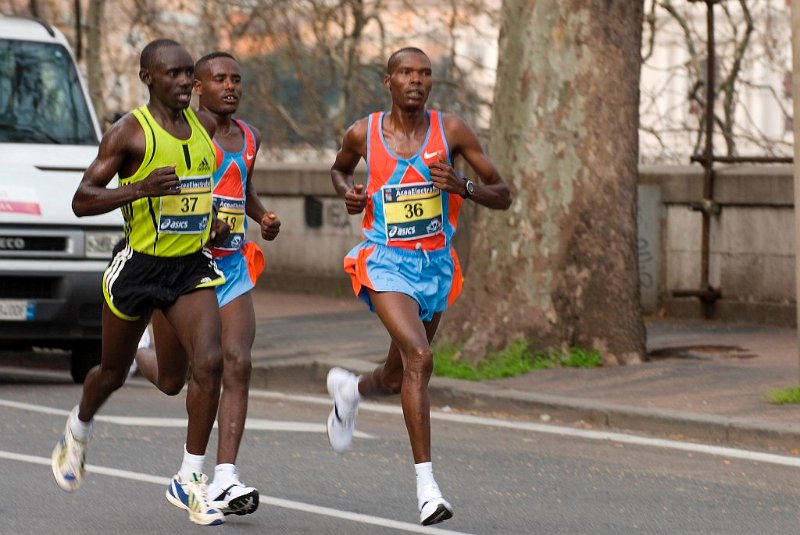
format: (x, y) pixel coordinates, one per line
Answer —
(469, 188)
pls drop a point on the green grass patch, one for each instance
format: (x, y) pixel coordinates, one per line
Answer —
(516, 359)
(784, 396)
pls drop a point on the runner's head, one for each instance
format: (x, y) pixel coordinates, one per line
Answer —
(218, 83)
(167, 69)
(409, 78)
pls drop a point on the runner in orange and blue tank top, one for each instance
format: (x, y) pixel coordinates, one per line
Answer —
(405, 267)
(240, 260)
(408, 224)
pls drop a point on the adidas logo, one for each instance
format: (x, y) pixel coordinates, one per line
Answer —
(203, 167)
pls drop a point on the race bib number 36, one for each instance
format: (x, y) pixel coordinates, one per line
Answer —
(412, 211)
(187, 212)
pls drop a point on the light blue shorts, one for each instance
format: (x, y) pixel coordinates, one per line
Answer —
(432, 278)
(241, 269)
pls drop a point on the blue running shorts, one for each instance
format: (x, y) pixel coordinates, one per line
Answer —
(432, 278)
(241, 268)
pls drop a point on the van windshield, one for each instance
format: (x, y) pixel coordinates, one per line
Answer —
(41, 100)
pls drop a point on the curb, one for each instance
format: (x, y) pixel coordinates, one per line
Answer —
(307, 374)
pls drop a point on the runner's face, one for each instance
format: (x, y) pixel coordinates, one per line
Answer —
(171, 77)
(411, 81)
(220, 86)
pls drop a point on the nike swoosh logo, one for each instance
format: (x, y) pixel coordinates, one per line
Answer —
(429, 155)
(249, 157)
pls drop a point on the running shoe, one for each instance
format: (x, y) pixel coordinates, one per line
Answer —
(191, 496)
(69, 458)
(236, 499)
(433, 508)
(342, 419)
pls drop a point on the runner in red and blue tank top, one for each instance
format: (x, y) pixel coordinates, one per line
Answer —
(405, 268)
(240, 259)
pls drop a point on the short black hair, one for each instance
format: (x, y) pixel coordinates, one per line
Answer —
(153, 47)
(392, 63)
(202, 62)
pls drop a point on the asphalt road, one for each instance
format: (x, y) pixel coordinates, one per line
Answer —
(503, 476)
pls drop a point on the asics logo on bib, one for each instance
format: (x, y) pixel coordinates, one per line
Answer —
(203, 167)
(170, 224)
(401, 232)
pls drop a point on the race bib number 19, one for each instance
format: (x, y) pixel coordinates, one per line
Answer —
(412, 211)
(232, 212)
(187, 212)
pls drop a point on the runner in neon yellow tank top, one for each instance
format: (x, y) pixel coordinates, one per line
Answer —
(163, 156)
(172, 225)
(218, 85)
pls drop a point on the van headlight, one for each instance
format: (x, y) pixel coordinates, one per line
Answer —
(99, 244)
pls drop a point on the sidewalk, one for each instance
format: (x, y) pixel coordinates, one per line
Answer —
(704, 380)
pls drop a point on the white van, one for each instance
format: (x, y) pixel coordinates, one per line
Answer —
(51, 262)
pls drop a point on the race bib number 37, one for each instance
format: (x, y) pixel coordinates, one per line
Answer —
(412, 211)
(187, 212)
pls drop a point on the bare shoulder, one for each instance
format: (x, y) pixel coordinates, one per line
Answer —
(458, 133)
(125, 134)
(358, 130)
(256, 133)
(355, 138)
(454, 124)
(207, 120)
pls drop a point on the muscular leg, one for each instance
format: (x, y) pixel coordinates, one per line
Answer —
(166, 363)
(410, 341)
(195, 319)
(238, 333)
(120, 338)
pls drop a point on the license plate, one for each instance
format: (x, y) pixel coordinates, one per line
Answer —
(15, 310)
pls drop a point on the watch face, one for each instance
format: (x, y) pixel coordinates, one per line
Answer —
(470, 187)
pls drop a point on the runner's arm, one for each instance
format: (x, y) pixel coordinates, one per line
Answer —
(343, 169)
(121, 151)
(491, 190)
(268, 221)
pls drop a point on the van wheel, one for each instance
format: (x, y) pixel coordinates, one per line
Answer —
(85, 356)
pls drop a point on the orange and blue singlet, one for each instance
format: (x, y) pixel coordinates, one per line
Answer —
(242, 261)
(408, 224)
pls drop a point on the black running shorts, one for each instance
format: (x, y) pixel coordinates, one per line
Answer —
(136, 283)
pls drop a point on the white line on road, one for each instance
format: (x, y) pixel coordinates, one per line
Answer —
(251, 424)
(270, 500)
(605, 436)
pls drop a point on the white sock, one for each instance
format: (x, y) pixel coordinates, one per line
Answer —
(191, 463)
(80, 429)
(225, 474)
(351, 392)
(425, 482)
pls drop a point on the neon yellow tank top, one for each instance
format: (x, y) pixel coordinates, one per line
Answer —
(172, 225)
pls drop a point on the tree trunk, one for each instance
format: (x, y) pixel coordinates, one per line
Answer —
(94, 66)
(560, 267)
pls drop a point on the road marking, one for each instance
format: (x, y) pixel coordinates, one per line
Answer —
(251, 424)
(270, 500)
(604, 436)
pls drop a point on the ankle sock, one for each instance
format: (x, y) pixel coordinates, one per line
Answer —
(426, 484)
(225, 475)
(80, 429)
(191, 463)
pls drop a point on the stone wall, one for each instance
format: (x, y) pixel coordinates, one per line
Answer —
(751, 257)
